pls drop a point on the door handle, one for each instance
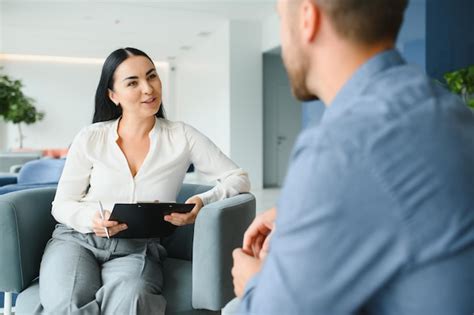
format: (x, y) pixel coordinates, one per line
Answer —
(280, 139)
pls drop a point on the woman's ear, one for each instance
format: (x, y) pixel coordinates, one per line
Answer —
(113, 98)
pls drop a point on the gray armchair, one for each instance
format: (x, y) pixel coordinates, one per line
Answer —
(197, 271)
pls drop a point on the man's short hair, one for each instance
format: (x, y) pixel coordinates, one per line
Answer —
(365, 21)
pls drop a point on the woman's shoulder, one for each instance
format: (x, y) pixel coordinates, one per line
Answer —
(96, 130)
(175, 126)
(179, 129)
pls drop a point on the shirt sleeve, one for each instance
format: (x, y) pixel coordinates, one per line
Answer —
(215, 165)
(68, 207)
(336, 238)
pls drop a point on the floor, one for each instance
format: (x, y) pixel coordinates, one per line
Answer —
(266, 198)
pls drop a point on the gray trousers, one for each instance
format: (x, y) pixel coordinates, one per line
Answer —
(86, 274)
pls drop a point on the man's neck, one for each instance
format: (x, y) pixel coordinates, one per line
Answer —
(331, 68)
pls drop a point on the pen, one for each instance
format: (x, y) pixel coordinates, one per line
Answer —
(101, 210)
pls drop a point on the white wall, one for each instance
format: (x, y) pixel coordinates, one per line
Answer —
(271, 33)
(1, 27)
(3, 135)
(246, 109)
(202, 88)
(65, 93)
(219, 91)
(3, 129)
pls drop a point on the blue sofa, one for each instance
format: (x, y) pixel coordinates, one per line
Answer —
(33, 174)
(8, 178)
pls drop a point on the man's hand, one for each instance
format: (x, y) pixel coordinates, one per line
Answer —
(186, 218)
(256, 238)
(99, 225)
(245, 266)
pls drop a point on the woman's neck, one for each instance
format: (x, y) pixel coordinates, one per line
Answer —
(135, 128)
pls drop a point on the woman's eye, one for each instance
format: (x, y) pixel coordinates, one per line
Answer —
(133, 83)
(152, 76)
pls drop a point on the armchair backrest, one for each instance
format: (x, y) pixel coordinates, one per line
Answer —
(43, 171)
(26, 225)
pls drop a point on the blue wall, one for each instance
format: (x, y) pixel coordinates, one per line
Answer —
(450, 36)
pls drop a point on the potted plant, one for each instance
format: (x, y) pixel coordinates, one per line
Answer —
(461, 82)
(15, 106)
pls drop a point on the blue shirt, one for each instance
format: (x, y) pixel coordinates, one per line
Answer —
(376, 215)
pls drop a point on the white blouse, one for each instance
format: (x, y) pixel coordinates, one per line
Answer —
(96, 170)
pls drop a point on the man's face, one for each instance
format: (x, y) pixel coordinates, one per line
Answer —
(294, 57)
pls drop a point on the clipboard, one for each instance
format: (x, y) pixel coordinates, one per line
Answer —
(146, 219)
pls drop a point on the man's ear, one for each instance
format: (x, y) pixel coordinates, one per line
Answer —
(112, 97)
(309, 20)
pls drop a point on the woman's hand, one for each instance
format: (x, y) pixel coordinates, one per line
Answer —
(186, 218)
(99, 225)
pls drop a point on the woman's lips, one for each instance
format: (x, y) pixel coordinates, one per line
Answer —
(150, 100)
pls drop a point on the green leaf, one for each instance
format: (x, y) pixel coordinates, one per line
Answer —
(470, 103)
(14, 105)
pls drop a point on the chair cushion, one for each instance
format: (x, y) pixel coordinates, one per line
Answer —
(177, 291)
(16, 187)
(41, 171)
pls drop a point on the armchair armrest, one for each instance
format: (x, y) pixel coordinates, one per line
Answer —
(219, 228)
(26, 225)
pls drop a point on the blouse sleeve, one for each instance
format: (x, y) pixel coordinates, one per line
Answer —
(215, 165)
(68, 207)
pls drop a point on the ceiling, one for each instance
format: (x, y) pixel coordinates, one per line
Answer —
(92, 29)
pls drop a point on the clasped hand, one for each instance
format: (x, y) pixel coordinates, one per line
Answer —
(249, 259)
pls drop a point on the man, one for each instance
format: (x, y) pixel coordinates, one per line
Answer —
(376, 215)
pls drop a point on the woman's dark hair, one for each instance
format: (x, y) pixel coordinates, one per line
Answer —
(105, 109)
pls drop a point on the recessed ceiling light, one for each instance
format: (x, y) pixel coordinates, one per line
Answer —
(185, 47)
(53, 59)
(60, 59)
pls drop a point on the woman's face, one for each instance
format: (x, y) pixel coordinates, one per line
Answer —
(137, 87)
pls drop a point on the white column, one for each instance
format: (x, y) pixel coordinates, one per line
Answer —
(246, 100)
(7, 309)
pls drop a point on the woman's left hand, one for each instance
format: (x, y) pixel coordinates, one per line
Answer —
(186, 218)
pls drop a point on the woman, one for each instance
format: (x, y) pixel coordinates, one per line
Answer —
(131, 153)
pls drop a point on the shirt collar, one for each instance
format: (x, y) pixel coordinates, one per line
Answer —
(114, 131)
(359, 80)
